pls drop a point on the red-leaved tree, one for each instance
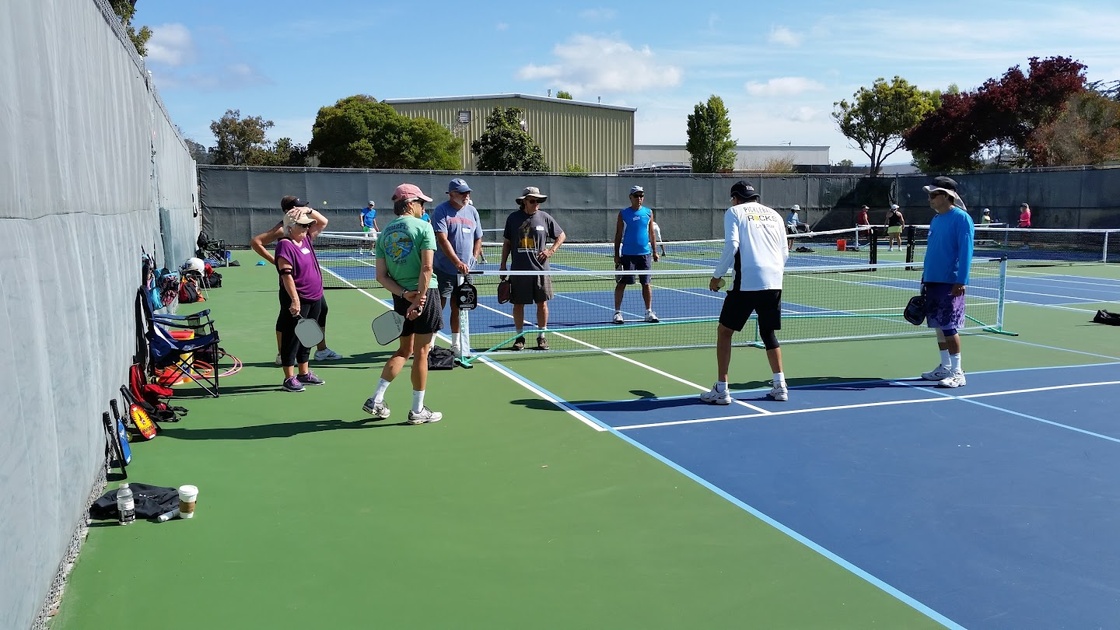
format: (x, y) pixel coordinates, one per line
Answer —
(998, 119)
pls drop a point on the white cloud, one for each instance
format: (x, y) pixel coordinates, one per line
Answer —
(783, 36)
(783, 86)
(172, 45)
(587, 65)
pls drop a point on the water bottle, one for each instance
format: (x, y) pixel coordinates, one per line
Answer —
(126, 505)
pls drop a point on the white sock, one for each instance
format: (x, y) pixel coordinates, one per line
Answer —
(379, 393)
(779, 378)
(955, 361)
(417, 401)
(945, 359)
(721, 386)
(540, 335)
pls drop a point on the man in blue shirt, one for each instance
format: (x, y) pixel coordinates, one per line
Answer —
(635, 247)
(369, 225)
(948, 260)
(458, 246)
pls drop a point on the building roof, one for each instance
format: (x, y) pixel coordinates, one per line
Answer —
(484, 97)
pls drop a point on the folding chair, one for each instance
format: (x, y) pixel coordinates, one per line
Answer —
(157, 349)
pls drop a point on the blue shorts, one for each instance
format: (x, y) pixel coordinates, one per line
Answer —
(635, 262)
(943, 309)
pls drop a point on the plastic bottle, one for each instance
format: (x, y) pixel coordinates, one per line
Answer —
(126, 505)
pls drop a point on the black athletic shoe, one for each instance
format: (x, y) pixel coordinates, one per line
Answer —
(519, 343)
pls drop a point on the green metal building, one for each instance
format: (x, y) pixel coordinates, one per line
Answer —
(597, 138)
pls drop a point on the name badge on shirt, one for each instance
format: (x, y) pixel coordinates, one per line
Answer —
(305, 250)
(540, 228)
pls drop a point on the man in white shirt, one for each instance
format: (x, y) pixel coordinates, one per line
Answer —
(754, 248)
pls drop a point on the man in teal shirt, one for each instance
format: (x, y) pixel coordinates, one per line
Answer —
(405, 251)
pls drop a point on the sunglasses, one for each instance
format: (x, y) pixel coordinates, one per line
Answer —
(533, 201)
(638, 196)
(935, 194)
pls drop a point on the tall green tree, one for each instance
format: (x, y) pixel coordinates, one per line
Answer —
(876, 118)
(506, 145)
(709, 137)
(239, 140)
(361, 132)
(125, 9)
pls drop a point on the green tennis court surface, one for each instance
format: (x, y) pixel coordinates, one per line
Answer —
(513, 511)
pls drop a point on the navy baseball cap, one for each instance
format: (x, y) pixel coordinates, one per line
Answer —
(459, 186)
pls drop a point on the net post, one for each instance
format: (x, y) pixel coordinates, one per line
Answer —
(1001, 301)
(1104, 255)
(873, 247)
(909, 245)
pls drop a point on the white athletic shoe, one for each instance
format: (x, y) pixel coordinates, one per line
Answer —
(618, 318)
(938, 373)
(955, 379)
(455, 349)
(376, 409)
(714, 397)
(779, 392)
(279, 361)
(326, 354)
(425, 416)
(651, 317)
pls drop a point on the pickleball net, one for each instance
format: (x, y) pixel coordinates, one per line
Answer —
(348, 261)
(824, 303)
(1030, 246)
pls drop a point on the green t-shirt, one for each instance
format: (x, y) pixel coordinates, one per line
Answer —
(400, 244)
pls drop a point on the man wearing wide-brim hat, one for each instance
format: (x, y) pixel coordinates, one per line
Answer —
(527, 233)
(945, 271)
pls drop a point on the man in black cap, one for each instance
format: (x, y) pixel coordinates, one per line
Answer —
(945, 271)
(754, 248)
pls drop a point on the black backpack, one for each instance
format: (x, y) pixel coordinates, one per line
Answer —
(1107, 317)
(441, 359)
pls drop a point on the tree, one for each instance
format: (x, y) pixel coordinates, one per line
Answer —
(709, 137)
(1087, 131)
(876, 118)
(997, 121)
(125, 9)
(238, 138)
(198, 152)
(564, 95)
(360, 132)
(506, 145)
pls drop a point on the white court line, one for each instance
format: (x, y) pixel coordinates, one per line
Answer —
(792, 412)
(532, 387)
(634, 362)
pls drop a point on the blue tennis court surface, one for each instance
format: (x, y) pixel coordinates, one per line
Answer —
(994, 505)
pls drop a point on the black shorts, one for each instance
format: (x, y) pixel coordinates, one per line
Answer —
(445, 283)
(636, 262)
(430, 320)
(738, 306)
(530, 289)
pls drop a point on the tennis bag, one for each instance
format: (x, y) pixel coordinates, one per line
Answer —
(441, 359)
(1107, 317)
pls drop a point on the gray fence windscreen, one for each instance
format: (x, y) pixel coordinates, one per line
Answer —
(89, 163)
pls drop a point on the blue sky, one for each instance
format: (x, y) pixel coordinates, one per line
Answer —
(779, 66)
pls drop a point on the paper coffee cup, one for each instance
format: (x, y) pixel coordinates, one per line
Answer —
(188, 498)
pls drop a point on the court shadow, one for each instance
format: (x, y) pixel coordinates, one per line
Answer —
(638, 405)
(273, 430)
(856, 383)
